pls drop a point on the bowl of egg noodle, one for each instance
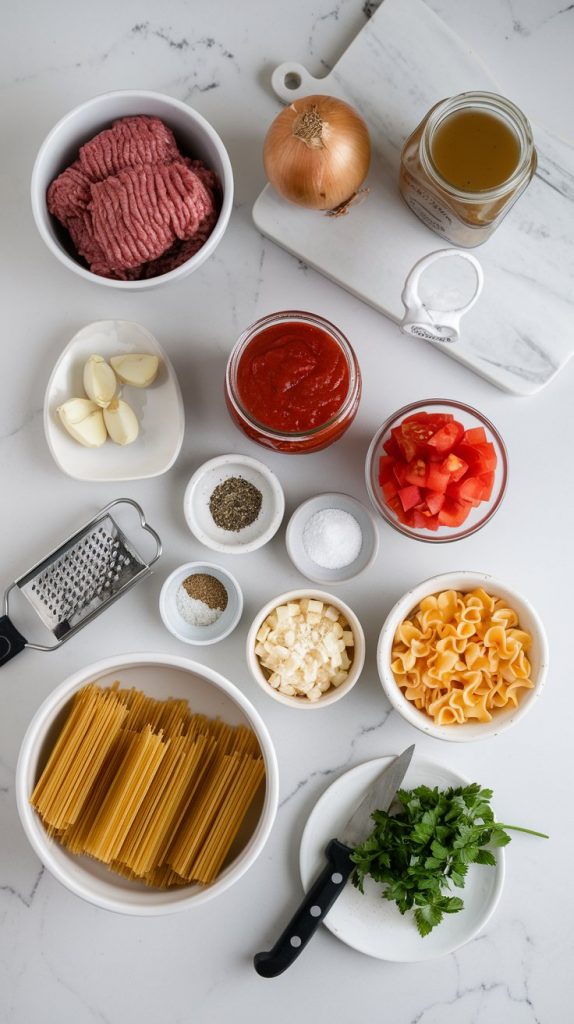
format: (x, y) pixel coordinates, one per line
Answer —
(147, 784)
(462, 656)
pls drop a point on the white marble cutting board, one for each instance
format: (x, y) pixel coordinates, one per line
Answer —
(521, 331)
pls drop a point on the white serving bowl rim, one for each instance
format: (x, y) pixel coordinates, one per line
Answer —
(335, 693)
(159, 903)
(463, 580)
(43, 218)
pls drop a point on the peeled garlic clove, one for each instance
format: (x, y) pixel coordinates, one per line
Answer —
(99, 381)
(138, 368)
(84, 421)
(121, 422)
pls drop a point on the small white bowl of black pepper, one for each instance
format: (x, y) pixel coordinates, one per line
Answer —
(200, 603)
(234, 504)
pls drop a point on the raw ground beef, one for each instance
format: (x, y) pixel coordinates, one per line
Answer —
(132, 204)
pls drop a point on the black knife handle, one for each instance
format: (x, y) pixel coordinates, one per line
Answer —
(316, 904)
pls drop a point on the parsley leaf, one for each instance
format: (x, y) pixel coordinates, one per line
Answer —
(419, 853)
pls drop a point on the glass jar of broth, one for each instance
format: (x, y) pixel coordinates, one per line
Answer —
(466, 164)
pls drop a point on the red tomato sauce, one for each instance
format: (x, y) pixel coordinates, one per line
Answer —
(292, 377)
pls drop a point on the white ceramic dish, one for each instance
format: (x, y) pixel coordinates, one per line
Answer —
(199, 491)
(200, 635)
(528, 620)
(331, 695)
(369, 923)
(194, 135)
(294, 538)
(159, 408)
(161, 676)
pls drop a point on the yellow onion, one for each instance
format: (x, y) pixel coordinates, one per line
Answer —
(317, 152)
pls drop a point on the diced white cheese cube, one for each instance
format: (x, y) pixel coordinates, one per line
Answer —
(331, 613)
(348, 638)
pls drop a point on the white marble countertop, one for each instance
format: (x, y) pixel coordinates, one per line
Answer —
(62, 960)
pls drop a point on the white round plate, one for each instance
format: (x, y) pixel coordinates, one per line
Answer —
(159, 408)
(373, 925)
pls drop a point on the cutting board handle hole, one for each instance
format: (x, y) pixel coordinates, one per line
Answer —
(292, 80)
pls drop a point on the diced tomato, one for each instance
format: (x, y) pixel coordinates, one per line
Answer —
(488, 481)
(435, 501)
(453, 512)
(404, 517)
(434, 471)
(446, 438)
(481, 458)
(424, 521)
(410, 496)
(476, 435)
(412, 437)
(416, 473)
(391, 447)
(389, 489)
(436, 419)
(469, 489)
(386, 463)
(455, 467)
(400, 473)
(437, 480)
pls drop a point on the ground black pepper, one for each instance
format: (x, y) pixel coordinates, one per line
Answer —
(235, 503)
(203, 587)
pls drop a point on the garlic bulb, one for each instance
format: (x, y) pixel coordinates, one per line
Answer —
(138, 368)
(84, 421)
(121, 422)
(99, 381)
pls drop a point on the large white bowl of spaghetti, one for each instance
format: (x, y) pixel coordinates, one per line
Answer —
(229, 729)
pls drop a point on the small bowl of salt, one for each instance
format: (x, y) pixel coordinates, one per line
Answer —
(200, 603)
(332, 538)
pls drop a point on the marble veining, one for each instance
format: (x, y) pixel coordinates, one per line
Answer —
(63, 961)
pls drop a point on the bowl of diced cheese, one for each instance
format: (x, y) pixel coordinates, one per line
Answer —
(306, 649)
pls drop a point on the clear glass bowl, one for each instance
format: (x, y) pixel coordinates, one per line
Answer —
(478, 517)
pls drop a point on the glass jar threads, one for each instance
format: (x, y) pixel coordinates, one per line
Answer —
(466, 164)
(293, 382)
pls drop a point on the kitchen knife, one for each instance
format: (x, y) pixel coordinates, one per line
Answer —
(330, 883)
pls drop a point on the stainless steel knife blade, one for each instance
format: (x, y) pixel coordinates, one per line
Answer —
(378, 798)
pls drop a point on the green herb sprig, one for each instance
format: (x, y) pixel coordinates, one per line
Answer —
(418, 853)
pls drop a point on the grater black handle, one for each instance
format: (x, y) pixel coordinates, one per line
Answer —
(11, 641)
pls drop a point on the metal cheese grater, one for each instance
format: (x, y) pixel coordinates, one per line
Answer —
(78, 580)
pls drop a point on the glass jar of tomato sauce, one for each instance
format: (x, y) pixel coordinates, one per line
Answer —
(293, 382)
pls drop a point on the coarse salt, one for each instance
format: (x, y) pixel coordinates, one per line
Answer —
(332, 538)
(195, 613)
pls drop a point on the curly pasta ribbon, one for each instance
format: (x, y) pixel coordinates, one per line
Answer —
(461, 657)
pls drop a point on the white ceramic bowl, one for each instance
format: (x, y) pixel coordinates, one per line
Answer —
(201, 487)
(159, 408)
(528, 620)
(195, 137)
(177, 625)
(335, 692)
(294, 538)
(161, 676)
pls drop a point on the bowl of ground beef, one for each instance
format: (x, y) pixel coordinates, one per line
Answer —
(132, 189)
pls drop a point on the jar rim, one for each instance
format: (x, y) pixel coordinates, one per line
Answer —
(292, 316)
(498, 105)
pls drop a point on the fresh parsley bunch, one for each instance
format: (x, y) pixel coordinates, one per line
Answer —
(418, 853)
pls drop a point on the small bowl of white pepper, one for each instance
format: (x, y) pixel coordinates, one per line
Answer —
(234, 504)
(200, 603)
